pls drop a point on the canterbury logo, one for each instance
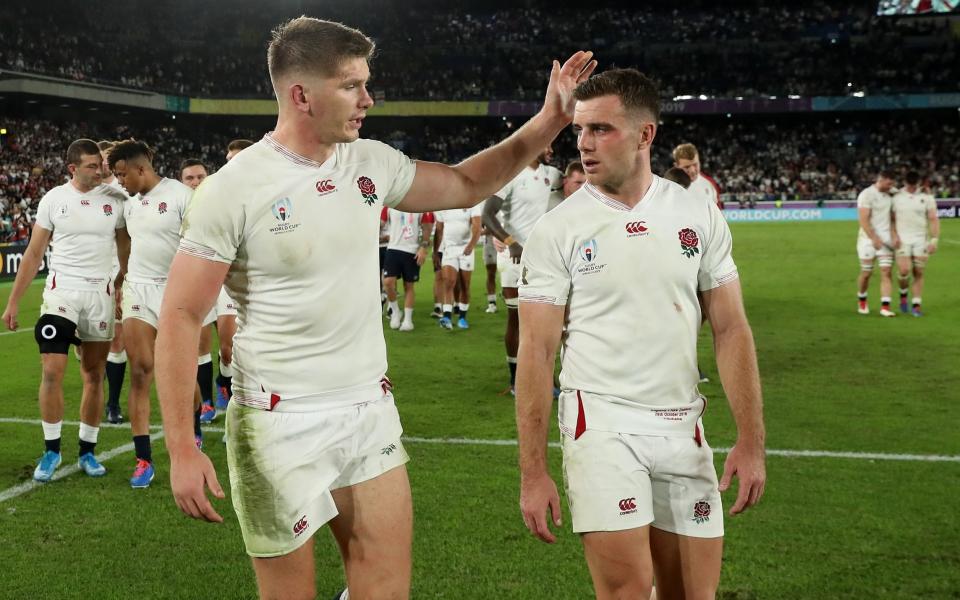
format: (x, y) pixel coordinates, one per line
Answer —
(636, 227)
(300, 525)
(628, 505)
(326, 186)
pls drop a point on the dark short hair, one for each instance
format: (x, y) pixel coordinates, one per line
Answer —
(192, 162)
(678, 176)
(886, 174)
(574, 165)
(636, 91)
(81, 147)
(128, 150)
(912, 178)
(314, 45)
(238, 145)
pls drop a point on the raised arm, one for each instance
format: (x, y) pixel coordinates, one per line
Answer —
(737, 363)
(192, 289)
(438, 187)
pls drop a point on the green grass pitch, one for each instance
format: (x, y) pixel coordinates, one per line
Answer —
(828, 527)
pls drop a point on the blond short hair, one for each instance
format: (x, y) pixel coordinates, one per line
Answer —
(685, 152)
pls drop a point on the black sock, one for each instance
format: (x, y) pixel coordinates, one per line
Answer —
(87, 447)
(205, 380)
(463, 315)
(513, 372)
(447, 314)
(53, 445)
(456, 309)
(226, 382)
(196, 422)
(141, 444)
(861, 296)
(115, 372)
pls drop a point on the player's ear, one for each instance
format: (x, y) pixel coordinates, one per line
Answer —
(297, 93)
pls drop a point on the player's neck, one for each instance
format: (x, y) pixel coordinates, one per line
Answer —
(108, 180)
(302, 141)
(632, 190)
(79, 187)
(534, 165)
(152, 182)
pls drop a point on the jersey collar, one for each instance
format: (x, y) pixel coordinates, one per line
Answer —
(293, 157)
(616, 204)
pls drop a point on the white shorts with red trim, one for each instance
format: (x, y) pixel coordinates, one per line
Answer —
(284, 465)
(617, 481)
(92, 311)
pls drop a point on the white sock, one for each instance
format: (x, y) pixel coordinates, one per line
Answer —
(51, 431)
(226, 369)
(511, 360)
(464, 307)
(408, 315)
(437, 306)
(917, 300)
(447, 308)
(394, 306)
(202, 360)
(88, 433)
(345, 595)
(117, 357)
(491, 298)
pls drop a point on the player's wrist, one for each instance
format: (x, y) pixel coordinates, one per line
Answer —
(509, 241)
(934, 240)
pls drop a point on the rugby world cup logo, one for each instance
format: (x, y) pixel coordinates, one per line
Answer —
(588, 251)
(282, 209)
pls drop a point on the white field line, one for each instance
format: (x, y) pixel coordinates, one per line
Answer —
(103, 457)
(954, 242)
(488, 442)
(21, 330)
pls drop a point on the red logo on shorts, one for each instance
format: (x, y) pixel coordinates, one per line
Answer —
(701, 511)
(135, 308)
(62, 309)
(301, 525)
(326, 186)
(628, 506)
(635, 228)
(103, 325)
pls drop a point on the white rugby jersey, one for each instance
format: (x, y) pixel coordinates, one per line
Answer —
(629, 279)
(705, 187)
(405, 233)
(456, 225)
(116, 185)
(526, 198)
(301, 238)
(879, 205)
(84, 235)
(912, 212)
(153, 222)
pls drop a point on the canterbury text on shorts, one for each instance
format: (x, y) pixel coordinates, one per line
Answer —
(618, 481)
(92, 311)
(284, 465)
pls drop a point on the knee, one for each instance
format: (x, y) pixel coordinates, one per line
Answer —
(629, 587)
(51, 376)
(140, 372)
(93, 376)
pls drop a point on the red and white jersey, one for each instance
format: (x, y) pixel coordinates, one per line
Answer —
(629, 278)
(526, 198)
(704, 186)
(153, 222)
(301, 241)
(405, 231)
(457, 224)
(84, 235)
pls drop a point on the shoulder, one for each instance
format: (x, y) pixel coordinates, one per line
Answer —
(363, 150)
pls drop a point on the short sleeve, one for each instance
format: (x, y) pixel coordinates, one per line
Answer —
(544, 275)
(863, 200)
(121, 215)
(400, 171)
(44, 218)
(212, 227)
(476, 211)
(716, 267)
(438, 216)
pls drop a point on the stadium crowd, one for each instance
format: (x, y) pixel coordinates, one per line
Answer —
(485, 51)
(753, 159)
